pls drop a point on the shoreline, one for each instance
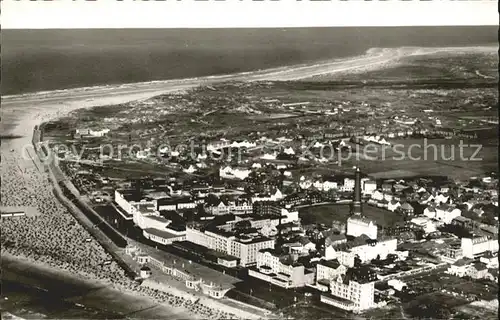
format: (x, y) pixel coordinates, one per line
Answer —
(369, 53)
(82, 291)
(36, 108)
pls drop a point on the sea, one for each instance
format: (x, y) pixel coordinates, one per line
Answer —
(36, 295)
(40, 60)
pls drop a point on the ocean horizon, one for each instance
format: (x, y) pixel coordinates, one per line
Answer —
(56, 59)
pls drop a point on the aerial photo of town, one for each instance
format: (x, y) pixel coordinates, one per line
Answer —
(363, 187)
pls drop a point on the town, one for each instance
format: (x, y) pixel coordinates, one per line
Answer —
(272, 221)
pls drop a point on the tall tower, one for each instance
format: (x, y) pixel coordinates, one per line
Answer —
(357, 208)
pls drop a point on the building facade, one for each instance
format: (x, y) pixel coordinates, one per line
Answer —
(473, 247)
(245, 248)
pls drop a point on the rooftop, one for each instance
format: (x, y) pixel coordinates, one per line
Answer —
(159, 219)
(198, 271)
(161, 233)
(334, 264)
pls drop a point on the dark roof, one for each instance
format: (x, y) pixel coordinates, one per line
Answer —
(330, 263)
(480, 266)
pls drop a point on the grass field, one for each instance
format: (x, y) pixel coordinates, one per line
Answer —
(326, 214)
(430, 157)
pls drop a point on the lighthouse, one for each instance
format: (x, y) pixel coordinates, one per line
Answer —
(357, 208)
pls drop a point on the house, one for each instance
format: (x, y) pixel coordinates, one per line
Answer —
(463, 222)
(334, 239)
(430, 212)
(393, 205)
(234, 173)
(440, 198)
(377, 195)
(490, 259)
(461, 268)
(492, 274)
(307, 245)
(368, 186)
(407, 209)
(478, 270)
(387, 187)
(326, 271)
(447, 213)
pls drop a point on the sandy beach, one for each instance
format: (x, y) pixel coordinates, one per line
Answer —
(54, 239)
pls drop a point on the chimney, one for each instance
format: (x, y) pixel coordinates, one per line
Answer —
(356, 204)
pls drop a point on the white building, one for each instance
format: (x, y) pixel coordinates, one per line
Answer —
(243, 247)
(348, 185)
(393, 205)
(368, 186)
(326, 271)
(231, 207)
(166, 236)
(176, 204)
(233, 173)
(398, 285)
(472, 247)
(92, 133)
(425, 223)
(350, 293)
(357, 226)
(278, 195)
(347, 252)
(281, 270)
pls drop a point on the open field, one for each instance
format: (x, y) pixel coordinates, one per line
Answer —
(431, 157)
(340, 212)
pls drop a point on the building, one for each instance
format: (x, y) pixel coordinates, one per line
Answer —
(242, 246)
(348, 185)
(197, 277)
(490, 259)
(129, 200)
(407, 209)
(236, 208)
(452, 253)
(368, 186)
(234, 173)
(362, 248)
(473, 247)
(357, 226)
(352, 291)
(446, 213)
(165, 237)
(426, 224)
(281, 270)
(266, 208)
(326, 271)
(175, 204)
(393, 205)
(91, 132)
(276, 196)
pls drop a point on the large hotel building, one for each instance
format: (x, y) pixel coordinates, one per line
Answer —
(245, 247)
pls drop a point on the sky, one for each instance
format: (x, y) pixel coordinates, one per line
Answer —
(26, 14)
